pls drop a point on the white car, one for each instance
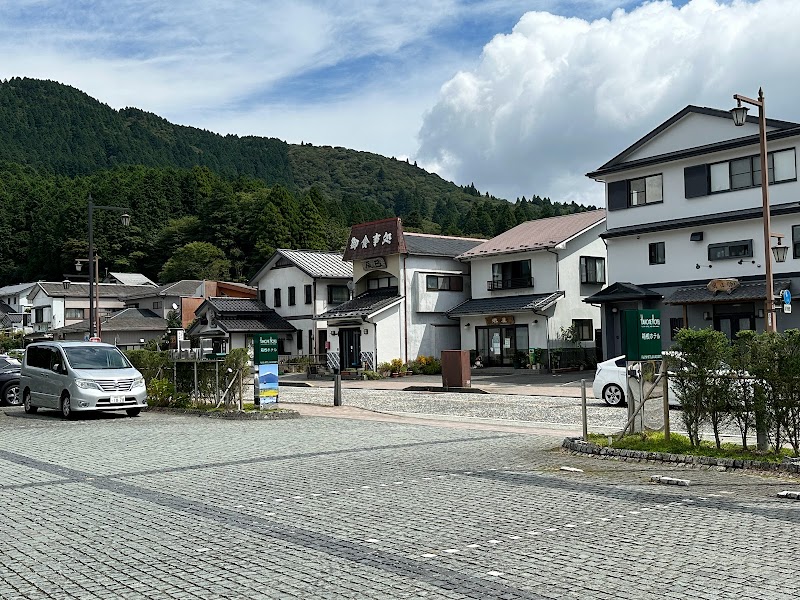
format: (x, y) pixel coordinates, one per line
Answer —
(610, 383)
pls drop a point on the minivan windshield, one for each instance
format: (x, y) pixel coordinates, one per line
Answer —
(96, 357)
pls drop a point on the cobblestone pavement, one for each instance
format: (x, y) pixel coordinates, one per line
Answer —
(173, 506)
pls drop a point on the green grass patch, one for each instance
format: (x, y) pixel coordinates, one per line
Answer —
(679, 444)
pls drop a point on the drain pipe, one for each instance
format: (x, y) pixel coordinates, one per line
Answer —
(546, 337)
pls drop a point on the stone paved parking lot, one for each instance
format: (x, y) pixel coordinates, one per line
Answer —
(171, 506)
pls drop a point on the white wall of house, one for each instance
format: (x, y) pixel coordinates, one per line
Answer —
(543, 269)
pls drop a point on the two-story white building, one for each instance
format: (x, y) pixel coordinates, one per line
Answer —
(300, 285)
(528, 284)
(403, 286)
(685, 208)
(16, 312)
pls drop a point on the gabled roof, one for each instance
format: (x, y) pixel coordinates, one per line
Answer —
(364, 305)
(240, 315)
(537, 234)
(315, 263)
(238, 305)
(15, 289)
(5, 308)
(182, 289)
(618, 163)
(505, 304)
(746, 292)
(131, 278)
(78, 290)
(423, 244)
(130, 319)
(622, 291)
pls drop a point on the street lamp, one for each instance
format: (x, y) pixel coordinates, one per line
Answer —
(739, 114)
(94, 321)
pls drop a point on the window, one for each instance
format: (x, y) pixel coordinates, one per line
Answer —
(262, 295)
(291, 296)
(740, 249)
(277, 297)
(299, 338)
(38, 314)
(585, 329)
(593, 269)
(795, 241)
(338, 294)
(645, 190)
(453, 283)
(158, 304)
(511, 275)
(745, 172)
(381, 282)
(308, 293)
(73, 313)
(657, 253)
(674, 325)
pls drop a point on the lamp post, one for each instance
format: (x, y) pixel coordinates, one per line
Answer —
(126, 220)
(78, 266)
(739, 114)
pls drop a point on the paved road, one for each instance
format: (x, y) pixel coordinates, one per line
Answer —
(167, 506)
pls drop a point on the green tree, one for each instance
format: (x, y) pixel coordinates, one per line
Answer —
(196, 260)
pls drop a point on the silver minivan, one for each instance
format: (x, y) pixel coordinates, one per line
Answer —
(80, 376)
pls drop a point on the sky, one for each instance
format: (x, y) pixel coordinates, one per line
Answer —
(519, 97)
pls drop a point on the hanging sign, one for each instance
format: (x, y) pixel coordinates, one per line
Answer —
(722, 285)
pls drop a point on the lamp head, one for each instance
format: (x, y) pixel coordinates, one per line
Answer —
(126, 219)
(739, 114)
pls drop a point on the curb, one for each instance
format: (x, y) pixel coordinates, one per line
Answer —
(578, 446)
(270, 415)
(439, 388)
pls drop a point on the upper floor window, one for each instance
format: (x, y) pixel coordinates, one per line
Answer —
(795, 241)
(262, 295)
(73, 313)
(338, 294)
(375, 283)
(38, 315)
(158, 304)
(277, 297)
(739, 174)
(593, 269)
(657, 252)
(308, 293)
(635, 192)
(292, 297)
(740, 249)
(453, 283)
(585, 329)
(511, 275)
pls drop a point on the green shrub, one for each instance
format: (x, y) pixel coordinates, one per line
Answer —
(371, 375)
(160, 392)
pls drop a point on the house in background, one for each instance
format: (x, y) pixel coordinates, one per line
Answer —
(300, 285)
(129, 328)
(685, 208)
(55, 305)
(528, 284)
(185, 296)
(15, 297)
(403, 286)
(231, 322)
(128, 279)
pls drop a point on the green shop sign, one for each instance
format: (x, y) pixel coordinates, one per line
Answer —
(265, 348)
(642, 334)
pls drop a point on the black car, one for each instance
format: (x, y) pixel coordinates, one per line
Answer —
(9, 381)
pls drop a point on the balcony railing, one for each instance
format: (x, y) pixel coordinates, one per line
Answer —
(509, 284)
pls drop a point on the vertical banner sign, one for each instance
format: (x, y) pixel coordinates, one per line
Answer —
(642, 334)
(265, 356)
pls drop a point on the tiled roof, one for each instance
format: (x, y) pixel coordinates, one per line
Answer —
(78, 290)
(5, 308)
(621, 291)
(240, 306)
(537, 234)
(130, 319)
(505, 304)
(132, 278)
(364, 304)
(319, 264)
(182, 289)
(9, 290)
(271, 321)
(438, 245)
(746, 292)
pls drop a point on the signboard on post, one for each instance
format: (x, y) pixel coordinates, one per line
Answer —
(642, 334)
(265, 356)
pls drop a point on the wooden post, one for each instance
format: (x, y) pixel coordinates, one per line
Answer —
(583, 409)
(665, 384)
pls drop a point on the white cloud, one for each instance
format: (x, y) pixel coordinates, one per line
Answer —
(557, 96)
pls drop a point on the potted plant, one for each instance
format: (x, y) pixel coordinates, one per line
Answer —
(397, 367)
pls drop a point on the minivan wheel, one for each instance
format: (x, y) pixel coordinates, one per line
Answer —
(613, 395)
(132, 412)
(11, 394)
(26, 402)
(66, 407)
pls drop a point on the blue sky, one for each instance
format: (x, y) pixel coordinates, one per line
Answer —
(519, 97)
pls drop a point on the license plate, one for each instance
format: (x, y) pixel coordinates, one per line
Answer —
(117, 399)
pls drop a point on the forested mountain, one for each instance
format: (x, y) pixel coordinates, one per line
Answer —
(242, 197)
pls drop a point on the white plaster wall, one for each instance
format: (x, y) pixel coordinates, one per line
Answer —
(628, 257)
(543, 270)
(676, 206)
(284, 278)
(692, 131)
(390, 337)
